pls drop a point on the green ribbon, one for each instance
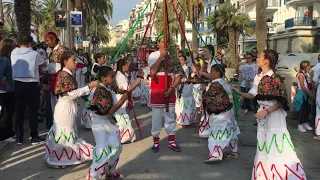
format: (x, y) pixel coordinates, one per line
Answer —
(235, 95)
(130, 33)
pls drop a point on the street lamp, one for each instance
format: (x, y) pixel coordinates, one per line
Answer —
(269, 25)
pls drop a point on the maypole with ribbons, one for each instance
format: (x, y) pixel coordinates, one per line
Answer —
(165, 34)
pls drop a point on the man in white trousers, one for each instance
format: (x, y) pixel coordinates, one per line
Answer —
(158, 94)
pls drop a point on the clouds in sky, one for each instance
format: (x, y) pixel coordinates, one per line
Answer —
(121, 10)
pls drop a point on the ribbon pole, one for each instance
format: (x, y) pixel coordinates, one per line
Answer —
(130, 33)
(165, 34)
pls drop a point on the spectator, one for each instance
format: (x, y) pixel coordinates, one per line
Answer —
(248, 72)
(6, 91)
(25, 71)
(254, 52)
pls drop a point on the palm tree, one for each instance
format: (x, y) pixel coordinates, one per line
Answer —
(22, 9)
(228, 19)
(261, 27)
(1, 12)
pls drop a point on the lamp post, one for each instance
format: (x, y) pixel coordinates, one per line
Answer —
(269, 23)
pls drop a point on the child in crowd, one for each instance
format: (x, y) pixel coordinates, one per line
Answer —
(105, 130)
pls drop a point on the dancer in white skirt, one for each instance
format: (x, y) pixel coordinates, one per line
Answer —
(127, 133)
(86, 117)
(145, 84)
(133, 72)
(185, 104)
(63, 146)
(276, 157)
(105, 130)
(223, 127)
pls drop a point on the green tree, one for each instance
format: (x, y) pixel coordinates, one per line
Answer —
(22, 9)
(228, 21)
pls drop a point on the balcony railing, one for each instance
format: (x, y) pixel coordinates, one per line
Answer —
(300, 21)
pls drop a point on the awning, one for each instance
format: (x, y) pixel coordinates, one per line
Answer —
(249, 47)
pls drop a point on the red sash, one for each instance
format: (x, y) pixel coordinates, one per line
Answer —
(53, 81)
(157, 91)
(80, 66)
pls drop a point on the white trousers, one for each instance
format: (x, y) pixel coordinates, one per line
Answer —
(169, 121)
(80, 78)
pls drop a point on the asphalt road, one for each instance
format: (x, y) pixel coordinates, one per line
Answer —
(138, 162)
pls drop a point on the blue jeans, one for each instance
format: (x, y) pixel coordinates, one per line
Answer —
(246, 102)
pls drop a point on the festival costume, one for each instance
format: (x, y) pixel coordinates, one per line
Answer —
(275, 156)
(157, 90)
(86, 118)
(316, 80)
(81, 70)
(108, 146)
(133, 77)
(185, 105)
(144, 95)
(54, 67)
(127, 133)
(223, 127)
(63, 146)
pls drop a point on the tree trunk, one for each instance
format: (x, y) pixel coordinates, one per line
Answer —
(261, 26)
(22, 10)
(232, 47)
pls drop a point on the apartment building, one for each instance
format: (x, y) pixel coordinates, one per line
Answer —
(294, 25)
(204, 28)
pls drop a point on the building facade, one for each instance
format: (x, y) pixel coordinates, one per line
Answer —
(204, 28)
(294, 25)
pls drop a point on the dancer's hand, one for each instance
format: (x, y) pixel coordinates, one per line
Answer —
(112, 120)
(93, 84)
(261, 114)
(170, 90)
(164, 53)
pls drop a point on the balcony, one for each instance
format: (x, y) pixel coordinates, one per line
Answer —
(208, 1)
(298, 1)
(301, 21)
(272, 5)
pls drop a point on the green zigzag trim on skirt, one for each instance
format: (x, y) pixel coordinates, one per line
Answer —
(274, 140)
(62, 134)
(105, 152)
(186, 104)
(223, 135)
(122, 118)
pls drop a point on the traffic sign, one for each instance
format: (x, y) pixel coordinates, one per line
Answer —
(86, 43)
(79, 39)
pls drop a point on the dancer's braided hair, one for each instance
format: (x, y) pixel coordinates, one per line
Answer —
(273, 58)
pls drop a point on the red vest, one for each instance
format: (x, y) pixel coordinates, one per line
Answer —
(157, 91)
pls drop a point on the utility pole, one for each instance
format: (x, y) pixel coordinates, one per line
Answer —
(70, 7)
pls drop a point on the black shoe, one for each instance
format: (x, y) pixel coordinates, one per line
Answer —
(19, 141)
(37, 140)
(255, 124)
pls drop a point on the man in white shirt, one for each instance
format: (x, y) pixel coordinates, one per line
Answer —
(82, 68)
(25, 72)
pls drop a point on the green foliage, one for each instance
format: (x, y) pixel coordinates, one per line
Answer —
(228, 16)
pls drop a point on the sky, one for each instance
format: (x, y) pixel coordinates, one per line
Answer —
(121, 10)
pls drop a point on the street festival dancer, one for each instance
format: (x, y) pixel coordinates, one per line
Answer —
(63, 145)
(223, 127)
(158, 94)
(54, 64)
(105, 130)
(276, 157)
(86, 118)
(127, 133)
(185, 104)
